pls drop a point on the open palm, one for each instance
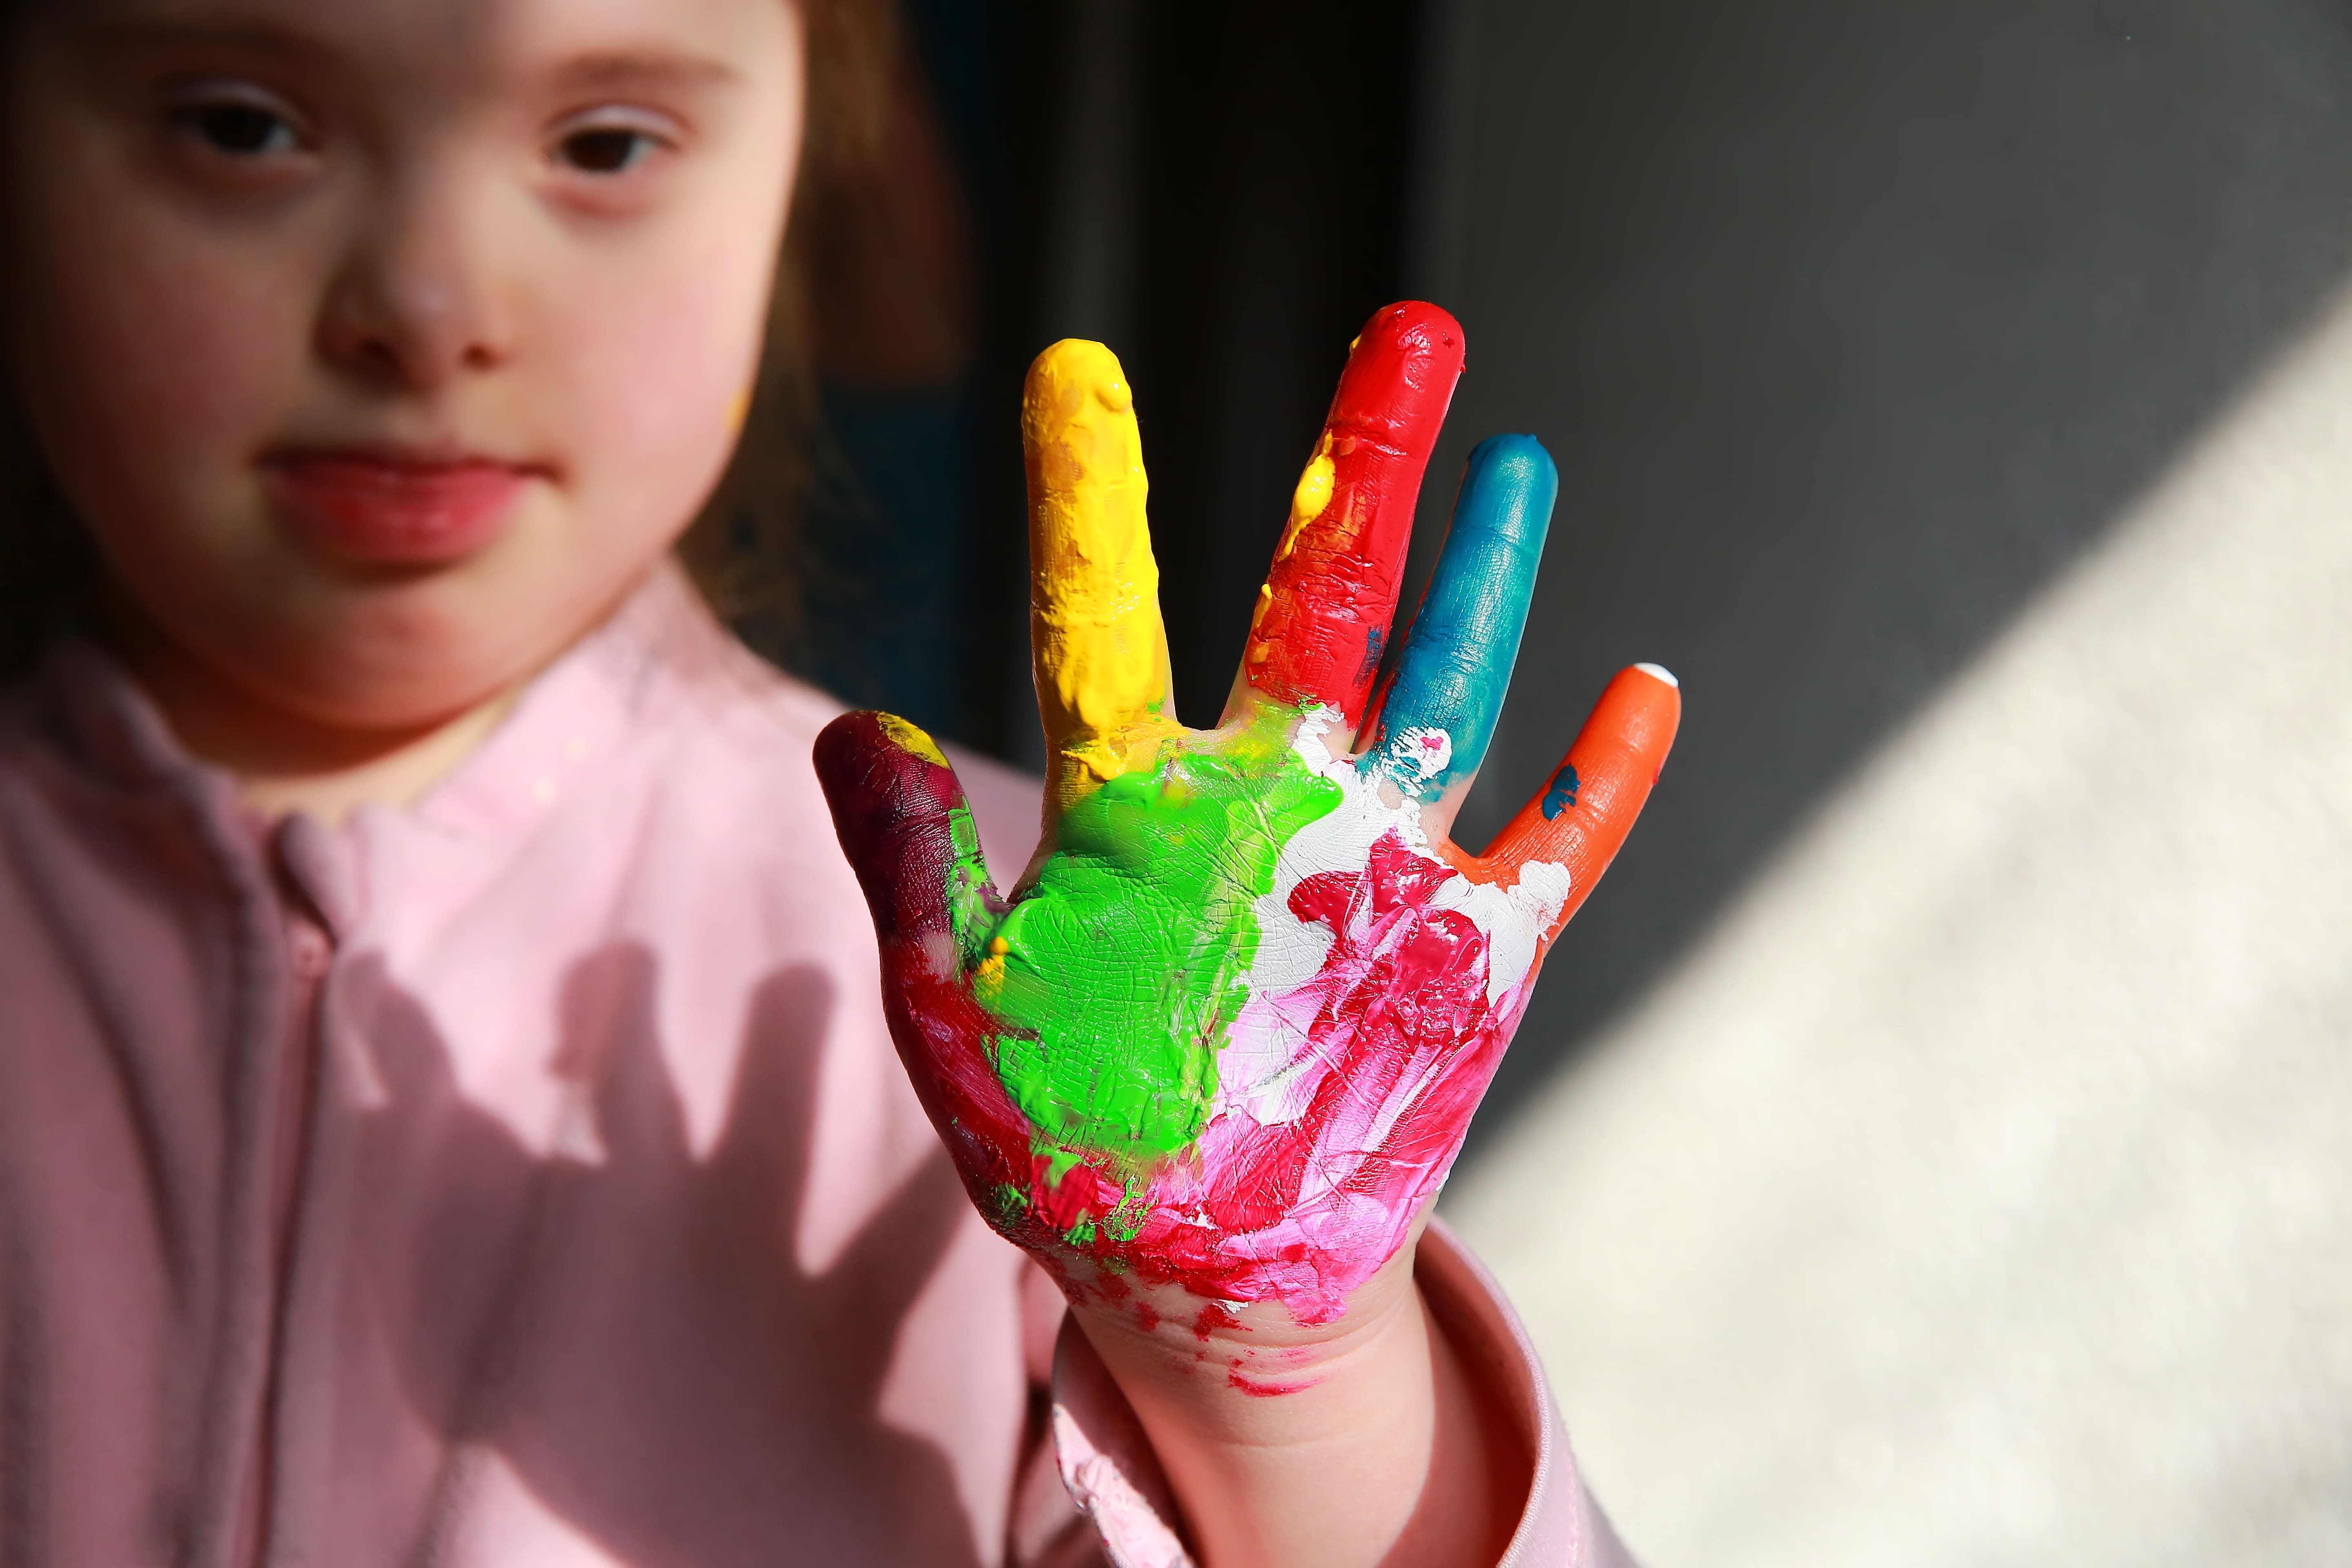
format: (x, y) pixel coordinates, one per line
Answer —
(1229, 1031)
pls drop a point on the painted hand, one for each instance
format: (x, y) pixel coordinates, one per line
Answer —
(1230, 1029)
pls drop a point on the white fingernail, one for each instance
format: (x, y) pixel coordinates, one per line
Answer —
(1659, 672)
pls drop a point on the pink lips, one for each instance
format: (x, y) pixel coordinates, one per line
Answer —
(393, 509)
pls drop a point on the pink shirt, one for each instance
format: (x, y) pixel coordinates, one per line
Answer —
(526, 1177)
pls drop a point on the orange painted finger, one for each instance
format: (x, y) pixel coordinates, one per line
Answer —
(1584, 812)
(1323, 615)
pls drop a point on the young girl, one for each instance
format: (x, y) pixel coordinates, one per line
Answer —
(447, 1111)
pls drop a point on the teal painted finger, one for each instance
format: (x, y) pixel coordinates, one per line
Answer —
(1447, 690)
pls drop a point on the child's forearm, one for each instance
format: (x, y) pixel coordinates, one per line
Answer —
(1378, 1448)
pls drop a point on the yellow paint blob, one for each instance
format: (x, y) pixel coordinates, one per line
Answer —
(738, 408)
(911, 739)
(1313, 494)
(1101, 652)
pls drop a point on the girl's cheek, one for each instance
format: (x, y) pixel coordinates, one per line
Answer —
(159, 360)
(168, 389)
(663, 359)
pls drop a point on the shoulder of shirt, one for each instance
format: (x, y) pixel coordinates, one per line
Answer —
(719, 693)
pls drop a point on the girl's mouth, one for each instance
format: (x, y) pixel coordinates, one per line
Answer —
(386, 508)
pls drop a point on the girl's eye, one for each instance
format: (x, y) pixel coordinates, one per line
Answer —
(606, 149)
(238, 130)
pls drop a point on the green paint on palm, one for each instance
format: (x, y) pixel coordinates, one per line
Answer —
(1117, 975)
(969, 888)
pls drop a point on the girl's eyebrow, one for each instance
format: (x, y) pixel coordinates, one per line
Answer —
(647, 69)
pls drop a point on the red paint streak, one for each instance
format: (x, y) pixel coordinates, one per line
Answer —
(1401, 988)
(1399, 1014)
(1256, 1389)
(1146, 1317)
(1331, 597)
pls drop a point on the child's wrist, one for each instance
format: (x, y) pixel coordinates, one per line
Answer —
(1217, 1353)
(1334, 1443)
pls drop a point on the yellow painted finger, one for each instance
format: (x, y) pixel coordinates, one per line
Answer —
(1094, 607)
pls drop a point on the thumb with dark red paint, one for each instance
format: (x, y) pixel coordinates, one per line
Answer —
(903, 824)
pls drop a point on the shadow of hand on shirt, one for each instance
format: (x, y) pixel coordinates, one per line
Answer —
(627, 1326)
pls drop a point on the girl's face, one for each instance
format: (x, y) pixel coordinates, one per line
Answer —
(382, 344)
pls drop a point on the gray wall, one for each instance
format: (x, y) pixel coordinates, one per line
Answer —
(1930, 1146)
(1849, 323)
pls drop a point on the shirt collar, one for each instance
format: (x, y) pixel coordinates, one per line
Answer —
(617, 682)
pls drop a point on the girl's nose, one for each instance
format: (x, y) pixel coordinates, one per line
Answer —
(414, 305)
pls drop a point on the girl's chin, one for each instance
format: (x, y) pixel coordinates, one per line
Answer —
(404, 652)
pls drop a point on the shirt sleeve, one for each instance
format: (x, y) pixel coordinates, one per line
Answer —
(1114, 1480)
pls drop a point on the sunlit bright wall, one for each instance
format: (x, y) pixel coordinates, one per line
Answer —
(1979, 1189)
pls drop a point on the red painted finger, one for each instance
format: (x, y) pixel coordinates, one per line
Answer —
(1323, 615)
(1588, 806)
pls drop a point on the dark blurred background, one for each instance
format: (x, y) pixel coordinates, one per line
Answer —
(1219, 193)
